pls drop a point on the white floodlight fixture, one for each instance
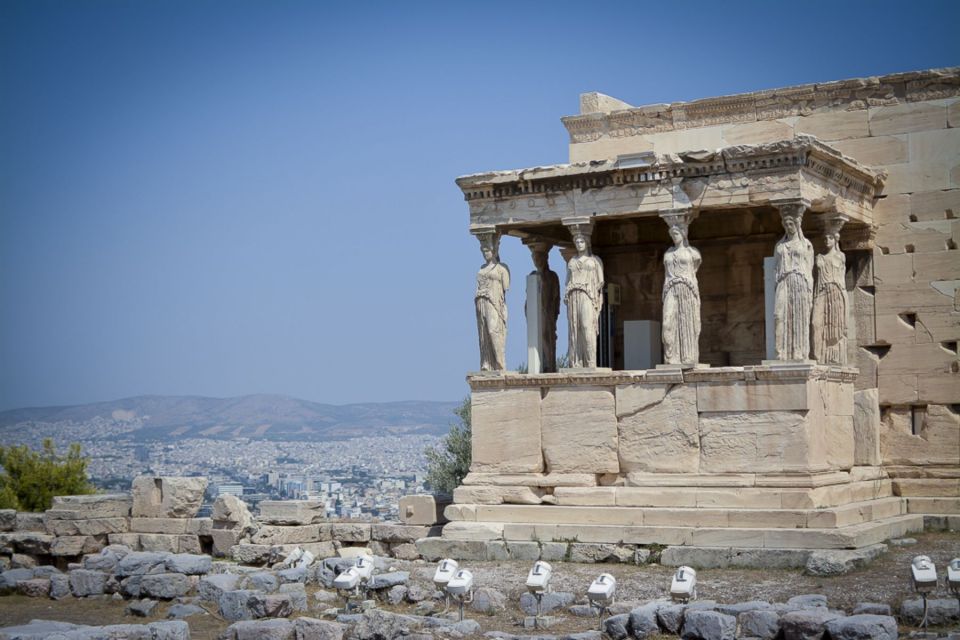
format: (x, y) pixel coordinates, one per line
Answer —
(538, 580)
(460, 587)
(683, 586)
(601, 594)
(953, 577)
(364, 566)
(349, 580)
(924, 575)
(445, 571)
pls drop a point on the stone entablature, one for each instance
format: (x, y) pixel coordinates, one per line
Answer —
(604, 117)
(509, 379)
(733, 177)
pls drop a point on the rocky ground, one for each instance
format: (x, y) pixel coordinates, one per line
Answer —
(500, 588)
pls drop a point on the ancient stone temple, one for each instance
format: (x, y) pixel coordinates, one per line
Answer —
(762, 303)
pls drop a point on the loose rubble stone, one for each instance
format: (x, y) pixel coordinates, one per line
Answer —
(489, 601)
(189, 564)
(940, 611)
(21, 561)
(313, 629)
(550, 602)
(100, 505)
(708, 625)
(807, 601)
(863, 627)
(643, 619)
(165, 585)
(405, 551)
(589, 552)
(763, 624)
(294, 574)
(397, 594)
(616, 627)
(260, 630)
(235, 605)
(142, 608)
(297, 593)
(806, 624)
(35, 587)
(382, 625)
(261, 581)
(351, 532)
(140, 562)
(211, 587)
(37, 629)
(8, 519)
(271, 605)
(387, 580)
(292, 512)
(739, 607)
(181, 611)
(10, 578)
(59, 586)
(84, 582)
(670, 618)
(872, 608)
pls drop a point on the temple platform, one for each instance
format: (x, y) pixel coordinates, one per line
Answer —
(768, 456)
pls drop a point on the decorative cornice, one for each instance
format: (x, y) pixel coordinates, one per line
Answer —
(844, 95)
(802, 151)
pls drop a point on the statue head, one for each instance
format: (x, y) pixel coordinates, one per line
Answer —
(490, 247)
(678, 233)
(582, 243)
(792, 218)
(831, 240)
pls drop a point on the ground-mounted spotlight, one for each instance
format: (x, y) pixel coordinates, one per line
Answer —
(683, 586)
(602, 593)
(953, 577)
(354, 582)
(460, 588)
(538, 583)
(923, 575)
(444, 573)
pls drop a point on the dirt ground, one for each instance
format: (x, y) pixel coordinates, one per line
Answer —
(886, 580)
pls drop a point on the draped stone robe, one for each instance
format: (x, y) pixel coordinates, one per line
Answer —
(830, 309)
(493, 281)
(584, 299)
(681, 306)
(794, 298)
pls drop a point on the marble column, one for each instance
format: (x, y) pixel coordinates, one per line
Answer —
(681, 293)
(793, 273)
(542, 308)
(583, 295)
(830, 297)
(493, 281)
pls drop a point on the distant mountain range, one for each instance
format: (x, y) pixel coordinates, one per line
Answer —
(271, 417)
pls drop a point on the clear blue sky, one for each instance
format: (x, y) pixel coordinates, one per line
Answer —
(221, 198)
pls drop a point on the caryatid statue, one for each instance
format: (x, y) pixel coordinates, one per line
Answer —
(793, 260)
(493, 281)
(549, 305)
(584, 297)
(830, 299)
(681, 294)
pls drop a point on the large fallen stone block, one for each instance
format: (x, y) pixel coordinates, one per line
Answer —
(173, 526)
(422, 510)
(190, 564)
(760, 623)
(236, 605)
(106, 505)
(708, 625)
(351, 531)
(834, 562)
(223, 540)
(402, 533)
(314, 629)
(292, 512)
(250, 553)
(260, 630)
(165, 586)
(940, 611)
(230, 512)
(171, 543)
(277, 534)
(211, 587)
(27, 521)
(862, 627)
(84, 582)
(29, 542)
(140, 562)
(167, 497)
(808, 624)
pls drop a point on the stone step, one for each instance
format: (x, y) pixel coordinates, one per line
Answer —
(828, 518)
(946, 506)
(850, 537)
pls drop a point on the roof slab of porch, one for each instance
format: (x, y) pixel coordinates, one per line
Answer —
(645, 185)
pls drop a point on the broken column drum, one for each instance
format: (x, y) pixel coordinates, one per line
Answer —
(794, 293)
(493, 281)
(681, 300)
(584, 298)
(830, 305)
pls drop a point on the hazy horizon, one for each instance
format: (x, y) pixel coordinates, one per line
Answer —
(220, 199)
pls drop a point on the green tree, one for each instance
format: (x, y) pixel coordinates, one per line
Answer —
(449, 462)
(30, 479)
